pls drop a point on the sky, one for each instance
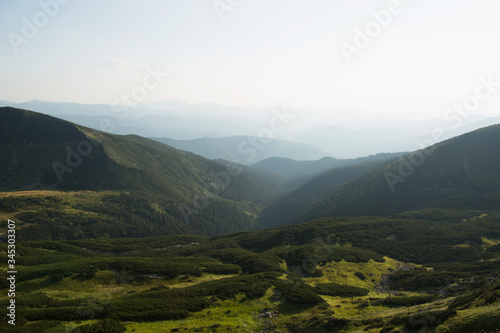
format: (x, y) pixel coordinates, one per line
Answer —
(401, 59)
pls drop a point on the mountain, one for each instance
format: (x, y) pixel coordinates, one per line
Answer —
(459, 173)
(362, 137)
(143, 187)
(85, 202)
(173, 119)
(246, 149)
(290, 207)
(289, 168)
(338, 133)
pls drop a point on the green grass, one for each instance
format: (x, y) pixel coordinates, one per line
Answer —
(103, 278)
(484, 319)
(344, 273)
(235, 315)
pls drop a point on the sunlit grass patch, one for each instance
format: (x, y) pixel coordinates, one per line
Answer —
(483, 319)
(108, 285)
(362, 275)
(193, 280)
(234, 315)
(463, 246)
(487, 243)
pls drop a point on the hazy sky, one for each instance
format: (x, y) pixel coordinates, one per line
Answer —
(422, 60)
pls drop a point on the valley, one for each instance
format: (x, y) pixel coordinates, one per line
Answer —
(231, 166)
(120, 233)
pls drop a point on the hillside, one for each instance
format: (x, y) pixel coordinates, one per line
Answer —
(87, 263)
(143, 187)
(459, 173)
(287, 167)
(296, 173)
(332, 275)
(246, 149)
(289, 207)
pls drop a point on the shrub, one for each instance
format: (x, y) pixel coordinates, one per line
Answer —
(298, 292)
(334, 289)
(404, 301)
(107, 325)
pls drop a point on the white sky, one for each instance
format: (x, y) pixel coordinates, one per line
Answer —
(264, 53)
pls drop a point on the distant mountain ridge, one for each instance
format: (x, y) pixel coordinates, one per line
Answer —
(292, 168)
(246, 149)
(39, 152)
(340, 135)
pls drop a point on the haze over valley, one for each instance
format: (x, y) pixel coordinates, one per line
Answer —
(280, 166)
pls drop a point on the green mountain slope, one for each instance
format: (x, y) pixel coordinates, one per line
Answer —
(162, 189)
(429, 270)
(289, 168)
(290, 207)
(294, 174)
(460, 173)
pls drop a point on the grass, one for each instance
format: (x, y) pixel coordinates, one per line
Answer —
(68, 195)
(345, 273)
(68, 201)
(107, 285)
(475, 218)
(487, 243)
(475, 320)
(193, 280)
(50, 263)
(236, 315)
(463, 246)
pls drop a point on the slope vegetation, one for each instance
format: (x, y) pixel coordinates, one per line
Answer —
(331, 275)
(460, 173)
(141, 186)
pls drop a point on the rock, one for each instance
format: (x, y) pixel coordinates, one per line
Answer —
(266, 315)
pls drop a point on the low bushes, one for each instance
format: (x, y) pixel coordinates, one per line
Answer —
(334, 289)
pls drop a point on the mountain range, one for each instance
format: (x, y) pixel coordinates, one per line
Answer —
(120, 232)
(246, 149)
(45, 153)
(459, 173)
(338, 134)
